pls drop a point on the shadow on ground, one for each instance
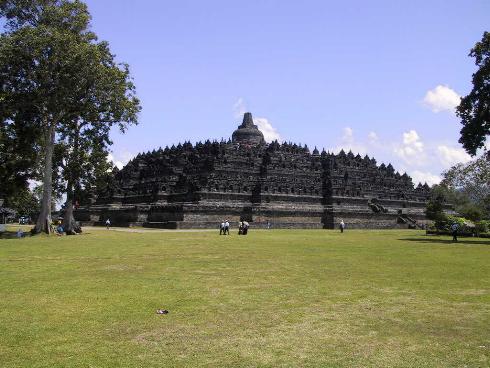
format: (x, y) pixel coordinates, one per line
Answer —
(13, 235)
(476, 241)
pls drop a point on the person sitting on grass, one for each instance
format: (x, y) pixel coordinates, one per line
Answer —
(59, 230)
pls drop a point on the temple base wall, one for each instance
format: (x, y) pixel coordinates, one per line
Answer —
(280, 212)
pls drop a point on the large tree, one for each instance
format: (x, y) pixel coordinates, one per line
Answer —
(55, 71)
(474, 109)
(82, 156)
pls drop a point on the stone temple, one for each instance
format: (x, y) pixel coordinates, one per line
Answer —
(245, 178)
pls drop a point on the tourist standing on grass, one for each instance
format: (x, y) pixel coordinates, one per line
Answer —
(454, 229)
(245, 228)
(107, 224)
(342, 226)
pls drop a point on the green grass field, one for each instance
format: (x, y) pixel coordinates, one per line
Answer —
(270, 299)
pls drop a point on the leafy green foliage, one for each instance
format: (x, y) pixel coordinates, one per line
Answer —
(24, 202)
(474, 109)
(435, 206)
(444, 223)
(483, 226)
(471, 212)
(467, 186)
(19, 154)
(57, 77)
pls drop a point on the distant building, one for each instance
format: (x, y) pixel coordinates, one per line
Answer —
(198, 186)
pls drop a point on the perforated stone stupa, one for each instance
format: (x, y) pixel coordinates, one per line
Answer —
(245, 178)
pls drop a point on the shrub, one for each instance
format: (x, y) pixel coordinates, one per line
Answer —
(483, 226)
(444, 223)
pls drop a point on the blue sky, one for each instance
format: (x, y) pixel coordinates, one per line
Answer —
(378, 77)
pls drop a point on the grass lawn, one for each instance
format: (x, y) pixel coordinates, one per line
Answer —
(277, 298)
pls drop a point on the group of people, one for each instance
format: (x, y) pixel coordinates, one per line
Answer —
(224, 228)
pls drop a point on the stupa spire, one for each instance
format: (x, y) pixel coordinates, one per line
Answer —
(247, 132)
(248, 121)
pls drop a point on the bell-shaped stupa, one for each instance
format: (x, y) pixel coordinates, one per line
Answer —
(248, 132)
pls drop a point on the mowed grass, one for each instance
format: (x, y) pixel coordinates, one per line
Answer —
(278, 298)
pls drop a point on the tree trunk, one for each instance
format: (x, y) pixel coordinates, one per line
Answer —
(43, 223)
(70, 226)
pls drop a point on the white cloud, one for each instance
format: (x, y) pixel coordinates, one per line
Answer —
(270, 133)
(348, 135)
(451, 156)
(372, 137)
(239, 108)
(120, 159)
(442, 98)
(412, 149)
(423, 161)
(118, 164)
(424, 177)
(348, 143)
(33, 183)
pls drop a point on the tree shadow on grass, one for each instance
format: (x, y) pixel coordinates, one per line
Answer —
(439, 240)
(13, 235)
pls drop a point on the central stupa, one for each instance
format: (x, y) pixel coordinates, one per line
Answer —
(248, 132)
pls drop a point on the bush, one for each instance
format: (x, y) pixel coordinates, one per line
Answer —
(443, 223)
(483, 226)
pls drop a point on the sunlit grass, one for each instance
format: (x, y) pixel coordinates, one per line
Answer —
(269, 299)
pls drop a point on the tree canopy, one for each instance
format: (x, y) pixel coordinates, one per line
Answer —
(474, 109)
(56, 77)
(472, 183)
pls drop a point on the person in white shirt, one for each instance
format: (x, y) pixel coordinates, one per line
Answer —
(227, 228)
(222, 228)
(245, 228)
(342, 226)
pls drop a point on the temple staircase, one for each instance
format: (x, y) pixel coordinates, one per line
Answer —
(409, 221)
(377, 208)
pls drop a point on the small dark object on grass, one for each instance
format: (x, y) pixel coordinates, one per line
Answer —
(162, 311)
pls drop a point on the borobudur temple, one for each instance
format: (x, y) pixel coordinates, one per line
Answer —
(246, 179)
